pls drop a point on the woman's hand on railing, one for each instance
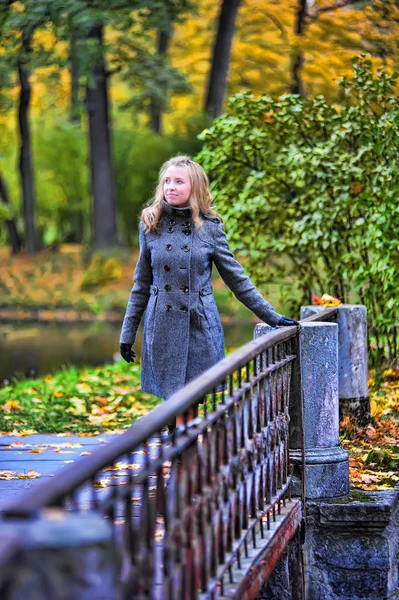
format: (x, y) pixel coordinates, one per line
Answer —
(286, 322)
(127, 353)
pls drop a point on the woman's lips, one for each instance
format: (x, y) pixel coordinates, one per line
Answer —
(172, 195)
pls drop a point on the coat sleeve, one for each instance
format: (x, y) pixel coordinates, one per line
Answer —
(140, 293)
(240, 284)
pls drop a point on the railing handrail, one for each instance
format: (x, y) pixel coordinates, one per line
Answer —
(85, 468)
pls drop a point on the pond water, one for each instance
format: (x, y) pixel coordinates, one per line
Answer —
(35, 349)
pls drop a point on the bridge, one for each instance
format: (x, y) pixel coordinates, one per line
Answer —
(208, 515)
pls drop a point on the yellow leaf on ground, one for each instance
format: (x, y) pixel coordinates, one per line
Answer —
(373, 407)
(11, 405)
(83, 388)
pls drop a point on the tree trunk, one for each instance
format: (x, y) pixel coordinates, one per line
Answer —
(25, 157)
(163, 39)
(297, 59)
(74, 115)
(102, 178)
(217, 82)
(13, 236)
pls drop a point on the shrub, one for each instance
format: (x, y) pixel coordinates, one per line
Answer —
(101, 271)
(310, 190)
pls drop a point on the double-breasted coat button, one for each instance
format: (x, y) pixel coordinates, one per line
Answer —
(187, 224)
(171, 229)
(186, 248)
(172, 222)
(166, 267)
(168, 287)
(168, 307)
(184, 289)
(184, 308)
(168, 246)
(187, 231)
(202, 292)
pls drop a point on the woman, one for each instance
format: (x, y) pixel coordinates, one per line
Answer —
(180, 237)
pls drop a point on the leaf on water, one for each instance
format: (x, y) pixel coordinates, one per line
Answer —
(31, 474)
(101, 483)
(7, 475)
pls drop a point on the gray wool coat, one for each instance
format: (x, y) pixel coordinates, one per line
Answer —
(183, 334)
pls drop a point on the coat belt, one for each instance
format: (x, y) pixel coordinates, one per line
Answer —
(154, 290)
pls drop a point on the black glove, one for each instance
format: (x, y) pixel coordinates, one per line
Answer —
(286, 322)
(127, 353)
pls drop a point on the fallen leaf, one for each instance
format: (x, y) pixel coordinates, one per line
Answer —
(11, 405)
(83, 388)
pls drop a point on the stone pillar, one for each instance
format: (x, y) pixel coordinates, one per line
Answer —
(58, 555)
(352, 360)
(326, 463)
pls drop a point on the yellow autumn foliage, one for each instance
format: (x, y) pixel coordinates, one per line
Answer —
(263, 48)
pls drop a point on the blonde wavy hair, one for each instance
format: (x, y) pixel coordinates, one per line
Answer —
(200, 199)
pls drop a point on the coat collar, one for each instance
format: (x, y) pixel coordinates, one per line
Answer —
(176, 211)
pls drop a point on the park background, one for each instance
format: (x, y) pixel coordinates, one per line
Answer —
(94, 96)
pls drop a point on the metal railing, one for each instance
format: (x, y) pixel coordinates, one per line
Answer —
(191, 518)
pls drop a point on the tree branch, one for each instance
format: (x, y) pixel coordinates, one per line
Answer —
(326, 9)
(277, 23)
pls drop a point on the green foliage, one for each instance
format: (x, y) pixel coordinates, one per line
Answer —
(63, 187)
(76, 400)
(5, 213)
(63, 179)
(317, 183)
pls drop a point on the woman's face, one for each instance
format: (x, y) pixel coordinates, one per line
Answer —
(177, 186)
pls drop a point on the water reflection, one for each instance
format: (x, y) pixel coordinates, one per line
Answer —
(31, 350)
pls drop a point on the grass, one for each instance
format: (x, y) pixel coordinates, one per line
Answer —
(72, 400)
